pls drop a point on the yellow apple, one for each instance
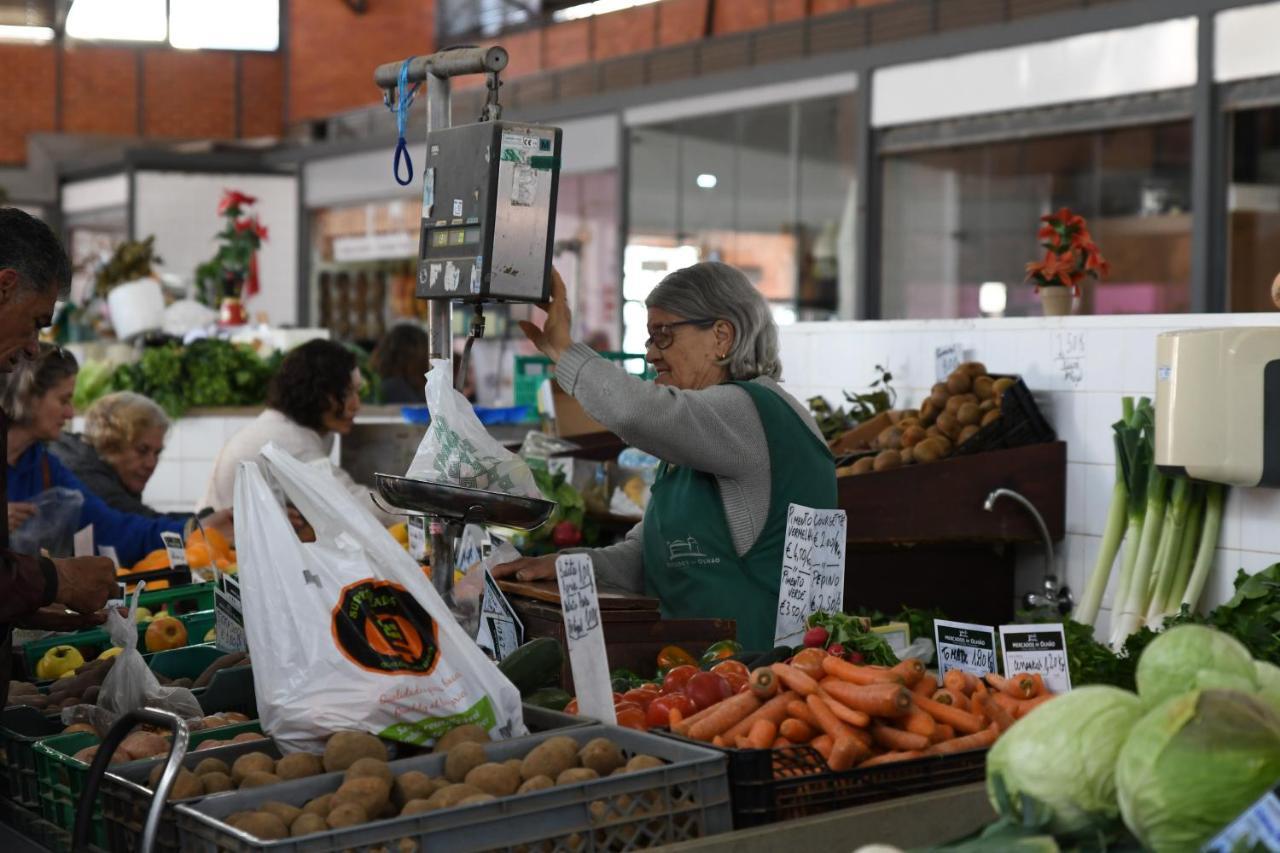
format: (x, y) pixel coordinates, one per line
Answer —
(59, 660)
(110, 653)
(211, 636)
(144, 615)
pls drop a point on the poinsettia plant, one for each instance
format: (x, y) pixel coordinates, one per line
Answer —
(1070, 253)
(232, 273)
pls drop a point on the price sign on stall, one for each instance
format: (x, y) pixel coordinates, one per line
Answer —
(812, 570)
(963, 646)
(1037, 649)
(946, 359)
(584, 631)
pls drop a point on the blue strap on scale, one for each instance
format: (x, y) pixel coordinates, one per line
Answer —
(403, 101)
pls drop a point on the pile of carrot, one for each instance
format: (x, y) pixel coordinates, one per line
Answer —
(861, 716)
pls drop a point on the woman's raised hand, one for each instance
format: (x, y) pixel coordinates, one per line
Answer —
(554, 336)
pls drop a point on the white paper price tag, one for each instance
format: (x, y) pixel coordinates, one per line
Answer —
(1037, 649)
(963, 646)
(812, 570)
(501, 632)
(946, 359)
(417, 537)
(584, 631)
(82, 542)
(174, 547)
(228, 615)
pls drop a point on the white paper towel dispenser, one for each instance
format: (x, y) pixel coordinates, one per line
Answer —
(1218, 405)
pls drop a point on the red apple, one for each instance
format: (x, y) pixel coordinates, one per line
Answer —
(166, 633)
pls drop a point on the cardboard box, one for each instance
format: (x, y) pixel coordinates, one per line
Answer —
(860, 437)
(570, 418)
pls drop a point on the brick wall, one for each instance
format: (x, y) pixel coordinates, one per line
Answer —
(261, 94)
(100, 90)
(26, 97)
(189, 95)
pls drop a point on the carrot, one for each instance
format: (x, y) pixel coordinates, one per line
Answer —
(1041, 690)
(1005, 701)
(674, 718)
(844, 713)
(895, 739)
(725, 715)
(1017, 686)
(977, 740)
(775, 710)
(980, 688)
(878, 700)
(762, 734)
(918, 722)
(854, 674)
(823, 744)
(942, 732)
(795, 680)
(796, 731)
(959, 681)
(827, 721)
(764, 683)
(1002, 718)
(779, 743)
(1030, 705)
(742, 742)
(846, 752)
(889, 758)
(926, 685)
(718, 741)
(961, 721)
(951, 697)
(694, 718)
(911, 670)
(800, 710)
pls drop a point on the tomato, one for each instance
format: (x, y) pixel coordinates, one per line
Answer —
(629, 715)
(677, 678)
(673, 656)
(706, 689)
(809, 661)
(642, 696)
(572, 708)
(734, 667)
(736, 682)
(658, 714)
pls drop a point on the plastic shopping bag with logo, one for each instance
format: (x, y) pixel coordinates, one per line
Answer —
(347, 632)
(459, 451)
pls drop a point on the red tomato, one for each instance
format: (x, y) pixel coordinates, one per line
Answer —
(630, 716)
(658, 714)
(677, 678)
(706, 689)
(736, 682)
(743, 688)
(729, 668)
(642, 696)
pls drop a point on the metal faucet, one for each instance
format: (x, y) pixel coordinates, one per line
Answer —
(1053, 596)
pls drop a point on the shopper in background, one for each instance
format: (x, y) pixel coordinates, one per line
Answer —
(117, 454)
(37, 398)
(33, 270)
(737, 449)
(312, 398)
(402, 359)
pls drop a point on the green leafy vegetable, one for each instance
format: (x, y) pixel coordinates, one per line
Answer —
(849, 632)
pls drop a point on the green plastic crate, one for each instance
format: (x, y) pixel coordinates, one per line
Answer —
(96, 640)
(21, 727)
(531, 370)
(199, 596)
(61, 777)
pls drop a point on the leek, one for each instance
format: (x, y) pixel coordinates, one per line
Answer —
(1127, 614)
(1168, 556)
(1208, 544)
(1135, 454)
(1186, 556)
(1087, 610)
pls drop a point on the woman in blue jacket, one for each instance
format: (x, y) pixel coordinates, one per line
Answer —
(37, 398)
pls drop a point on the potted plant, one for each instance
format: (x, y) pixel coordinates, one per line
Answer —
(1070, 255)
(231, 275)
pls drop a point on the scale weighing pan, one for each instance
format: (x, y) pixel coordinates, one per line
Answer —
(462, 504)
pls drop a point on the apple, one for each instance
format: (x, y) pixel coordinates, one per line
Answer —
(144, 615)
(211, 636)
(110, 653)
(59, 661)
(164, 633)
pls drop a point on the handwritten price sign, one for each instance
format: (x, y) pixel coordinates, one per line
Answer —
(1037, 649)
(812, 570)
(580, 605)
(967, 647)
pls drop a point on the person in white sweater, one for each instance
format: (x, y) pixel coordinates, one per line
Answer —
(313, 397)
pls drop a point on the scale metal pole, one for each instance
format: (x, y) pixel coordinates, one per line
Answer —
(440, 311)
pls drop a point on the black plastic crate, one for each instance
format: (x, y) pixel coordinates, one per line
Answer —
(1021, 423)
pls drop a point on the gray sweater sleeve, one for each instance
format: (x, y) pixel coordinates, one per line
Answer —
(717, 430)
(621, 566)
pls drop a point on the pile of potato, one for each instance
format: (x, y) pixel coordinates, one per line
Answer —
(146, 742)
(954, 412)
(370, 791)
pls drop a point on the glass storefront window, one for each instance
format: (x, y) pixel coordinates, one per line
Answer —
(1253, 209)
(958, 219)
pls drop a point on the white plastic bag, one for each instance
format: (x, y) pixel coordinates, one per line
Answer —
(459, 451)
(131, 684)
(346, 631)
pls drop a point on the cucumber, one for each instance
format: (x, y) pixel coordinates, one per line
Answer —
(551, 698)
(535, 664)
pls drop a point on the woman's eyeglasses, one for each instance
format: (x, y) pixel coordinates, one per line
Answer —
(664, 336)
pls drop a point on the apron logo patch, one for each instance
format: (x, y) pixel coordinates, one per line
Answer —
(378, 626)
(679, 549)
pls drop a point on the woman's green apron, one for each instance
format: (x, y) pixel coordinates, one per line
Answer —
(690, 563)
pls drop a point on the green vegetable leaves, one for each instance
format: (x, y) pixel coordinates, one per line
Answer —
(848, 631)
(208, 373)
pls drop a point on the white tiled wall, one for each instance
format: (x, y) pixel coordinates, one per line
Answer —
(191, 446)
(1078, 368)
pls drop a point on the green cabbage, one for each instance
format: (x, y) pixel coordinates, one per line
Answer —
(1269, 681)
(1064, 755)
(1187, 657)
(1193, 764)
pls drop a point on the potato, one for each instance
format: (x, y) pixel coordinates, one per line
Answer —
(865, 465)
(345, 748)
(450, 796)
(414, 785)
(912, 436)
(984, 387)
(259, 779)
(601, 755)
(145, 745)
(246, 737)
(968, 414)
(210, 744)
(973, 368)
(234, 717)
(938, 396)
(576, 774)
(186, 786)
(346, 814)
(514, 763)
(284, 811)
(299, 765)
(417, 807)
(212, 765)
(216, 783)
(928, 450)
(153, 778)
(22, 688)
(306, 824)
(959, 382)
(644, 762)
(907, 454)
(369, 767)
(546, 759)
(263, 825)
(462, 759)
(497, 779)
(213, 722)
(948, 425)
(887, 460)
(890, 438)
(537, 783)
(251, 762)
(987, 406)
(80, 727)
(469, 733)
(967, 433)
(321, 805)
(990, 417)
(1001, 385)
(372, 794)
(564, 745)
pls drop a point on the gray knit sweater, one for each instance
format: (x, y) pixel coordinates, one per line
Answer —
(716, 430)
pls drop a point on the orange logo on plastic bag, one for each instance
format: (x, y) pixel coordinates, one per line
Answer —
(380, 627)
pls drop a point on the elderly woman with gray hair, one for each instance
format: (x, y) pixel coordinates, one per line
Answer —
(737, 450)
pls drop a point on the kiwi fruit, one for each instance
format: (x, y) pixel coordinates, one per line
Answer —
(346, 748)
(1000, 386)
(451, 795)
(973, 368)
(929, 411)
(284, 811)
(928, 450)
(987, 405)
(370, 767)
(644, 762)
(259, 779)
(990, 417)
(216, 783)
(948, 425)
(263, 825)
(890, 438)
(462, 759)
(576, 774)
(938, 396)
(469, 733)
(346, 814)
(212, 765)
(601, 755)
(306, 824)
(907, 454)
(371, 793)
(968, 433)
(416, 807)
(186, 786)
(299, 765)
(496, 779)
(251, 762)
(537, 783)
(984, 387)
(319, 806)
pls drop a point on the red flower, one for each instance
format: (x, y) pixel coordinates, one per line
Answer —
(1094, 263)
(234, 198)
(1054, 269)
